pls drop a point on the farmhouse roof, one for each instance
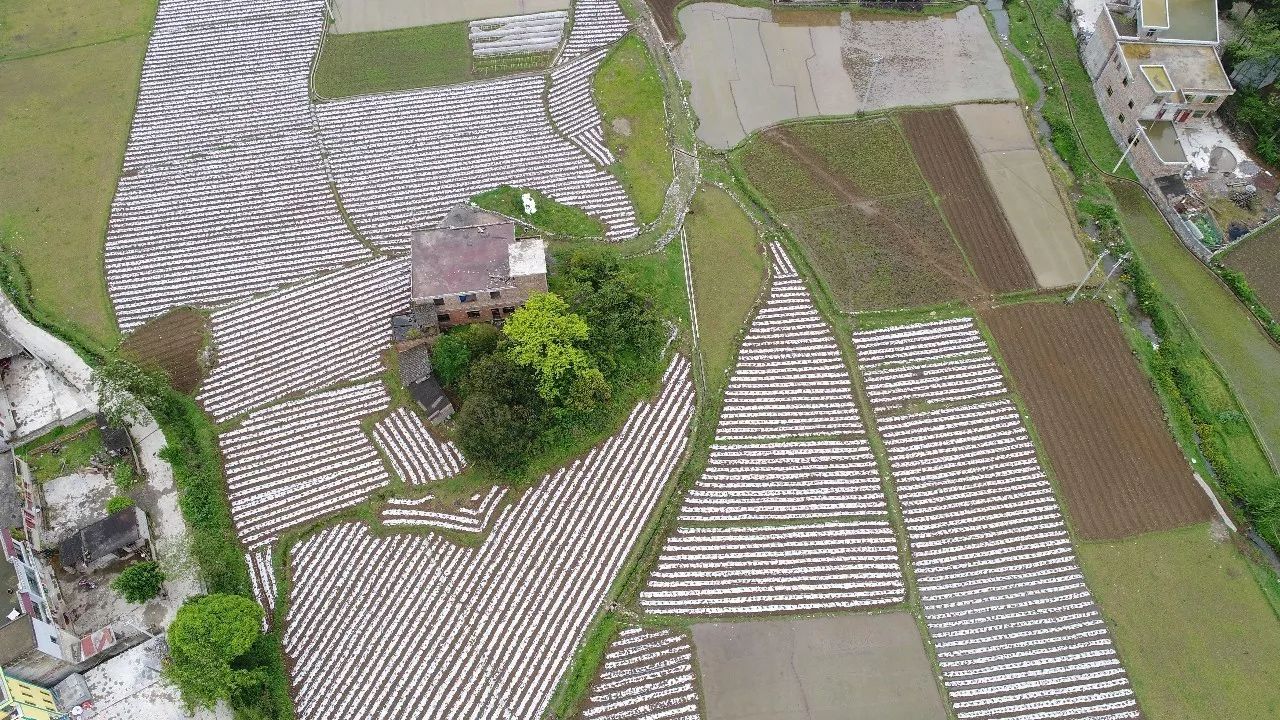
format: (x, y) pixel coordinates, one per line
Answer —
(471, 251)
(17, 638)
(91, 543)
(1187, 67)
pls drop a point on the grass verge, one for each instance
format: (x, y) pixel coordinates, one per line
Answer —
(728, 273)
(62, 456)
(630, 94)
(407, 58)
(69, 77)
(1197, 635)
(550, 217)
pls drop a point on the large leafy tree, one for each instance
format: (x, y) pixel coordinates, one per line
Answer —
(549, 338)
(208, 635)
(139, 582)
(626, 332)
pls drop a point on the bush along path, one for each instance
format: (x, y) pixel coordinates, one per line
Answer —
(1191, 310)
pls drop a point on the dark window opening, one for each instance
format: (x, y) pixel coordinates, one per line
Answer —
(1130, 104)
(1109, 91)
(1122, 117)
(494, 293)
(442, 317)
(1210, 98)
(1125, 82)
(473, 313)
(438, 301)
(508, 310)
(496, 312)
(467, 297)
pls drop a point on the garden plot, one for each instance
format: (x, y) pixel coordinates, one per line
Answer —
(1099, 421)
(359, 16)
(950, 164)
(1013, 166)
(305, 337)
(749, 72)
(786, 481)
(574, 112)
(223, 193)
(910, 366)
(647, 674)
(401, 161)
(262, 578)
(791, 380)
(473, 515)
(922, 342)
(803, 567)
(296, 462)
(517, 35)
(596, 23)
(415, 454)
(1015, 629)
(433, 629)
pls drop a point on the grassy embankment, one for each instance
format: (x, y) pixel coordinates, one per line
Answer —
(630, 94)
(1195, 631)
(69, 78)
(549, 218)
(390, 60)
(728, 273)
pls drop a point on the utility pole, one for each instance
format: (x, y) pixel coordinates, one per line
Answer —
(1128, 147)
(1112, 273)
(1072, 297)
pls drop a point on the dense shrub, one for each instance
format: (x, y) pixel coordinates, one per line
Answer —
(139, 582)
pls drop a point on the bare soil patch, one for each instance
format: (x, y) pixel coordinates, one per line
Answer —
(1259, 259)
(664, 11)
(1028, 197)
(952, 168)
(171, 343)
(845, 666)
(1098, 420)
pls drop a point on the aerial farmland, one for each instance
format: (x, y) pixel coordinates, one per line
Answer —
(627, 360)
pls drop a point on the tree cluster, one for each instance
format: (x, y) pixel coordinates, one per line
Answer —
(556, 363)
(208, 642)
(1255, 109)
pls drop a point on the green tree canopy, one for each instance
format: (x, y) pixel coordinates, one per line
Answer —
(626, 332)
(496, 434)
(547, 337)
(139, 582)
(208, 635)
(449, 359)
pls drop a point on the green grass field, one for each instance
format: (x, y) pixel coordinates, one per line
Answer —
(728, 273)
(69, 83)
(1193, 628)
(391, 60)
(550, 216)
(629, 93)
(1249, 361)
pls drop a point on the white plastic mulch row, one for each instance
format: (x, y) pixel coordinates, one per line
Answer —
(472, 516)
(966, 379)
(401, 161)
(647, 675)
(1016, 630)
(791, 379)
(301, 460)
(786, 568)
(596, 23)
(919, 343)
(786, 481)
(262, 578)
(518, 34)
(573, 108)
(416, 626)
(224, 193)
(415, 454)
(305, 337)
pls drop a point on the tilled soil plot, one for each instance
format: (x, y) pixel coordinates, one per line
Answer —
(664, 11)
(171, 343)
(1098, 420)
(949, 163)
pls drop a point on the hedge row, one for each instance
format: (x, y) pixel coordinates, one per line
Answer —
(1240, 286)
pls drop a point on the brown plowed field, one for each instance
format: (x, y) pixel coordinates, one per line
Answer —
(664, 11)
(1098, 420)
(951, 166)
(171, 343)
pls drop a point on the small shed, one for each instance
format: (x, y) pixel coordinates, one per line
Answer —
(113, 538)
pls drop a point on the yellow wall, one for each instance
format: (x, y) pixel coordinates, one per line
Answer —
(32, 701)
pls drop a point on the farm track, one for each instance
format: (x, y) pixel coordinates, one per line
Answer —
(1098, 420)
(951, 166)
(664, 12)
